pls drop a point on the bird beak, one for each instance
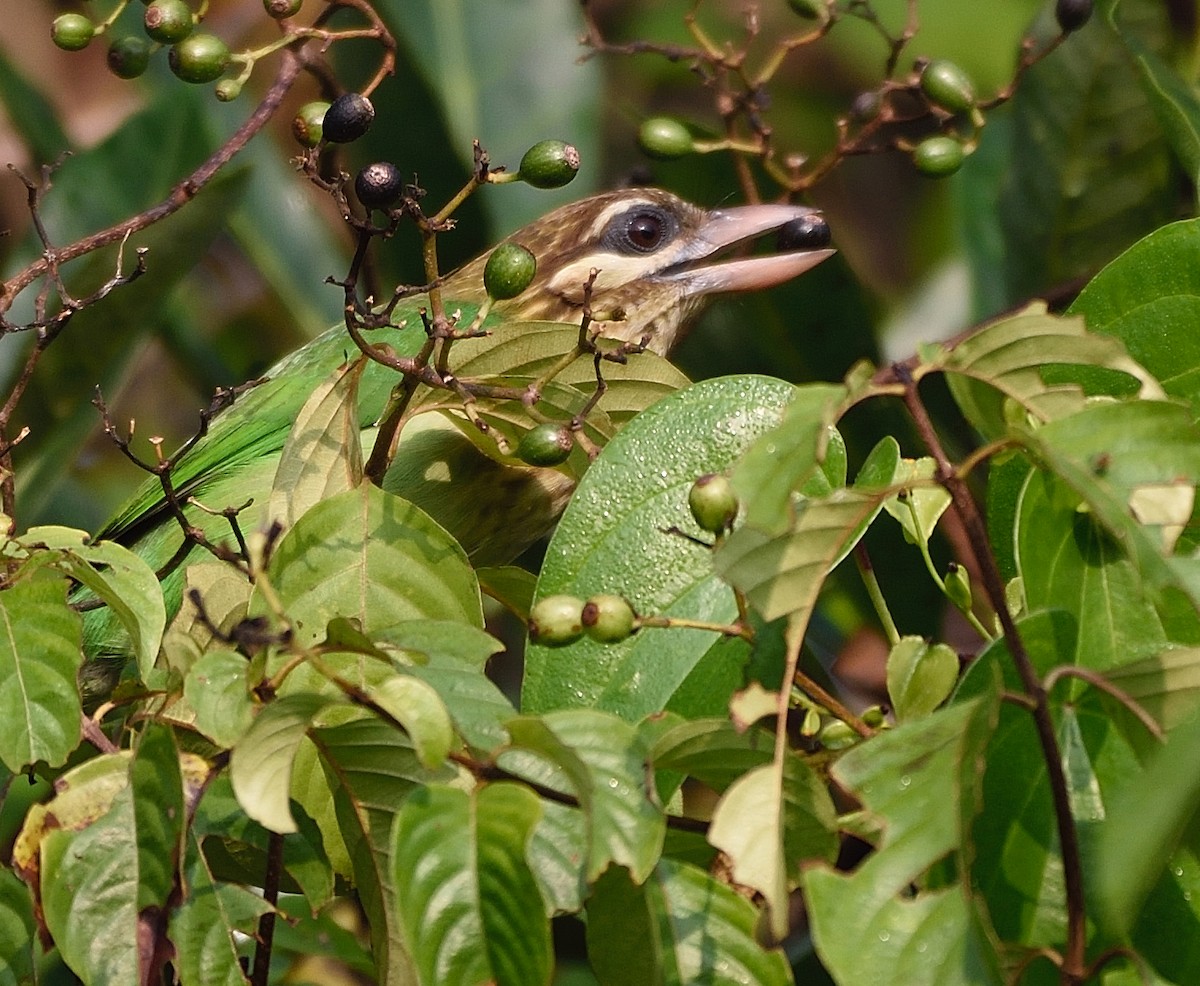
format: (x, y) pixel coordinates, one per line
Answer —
(700, 272)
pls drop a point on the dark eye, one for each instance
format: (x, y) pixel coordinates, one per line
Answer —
(641, 230)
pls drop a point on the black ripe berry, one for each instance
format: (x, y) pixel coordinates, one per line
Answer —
(348, 118)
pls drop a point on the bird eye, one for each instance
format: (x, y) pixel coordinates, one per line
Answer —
(641, 230)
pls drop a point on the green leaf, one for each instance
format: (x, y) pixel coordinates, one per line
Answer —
(261, 765)
(681, 926)
(923, 501)
(218, 689)
(40, 711)
(17, 931)
(370, 556)
(469, 905)
(611, 539)
(920, 676)
(159, 814)
(1090, 170)
(866, 925)
(712, 750)
(417, 707)
(323, 455)
(1166, 685)
(771, 821)
(601, 761)
(511, 586)
(556, 848)
(32, 115)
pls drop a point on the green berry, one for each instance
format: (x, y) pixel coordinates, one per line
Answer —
(348, 118)
(812, 10)
(546, 445)
(556, 620)
(874, 716)
(713, 502)
(508, 271)
(663, 138)
(72, 32)
(378, 185)
(549, 164)
(228, 90)
(608, 619)
(199, 58)
(1072, 14)
(958, 587)
(279, 9)
(938, 156)
(128, 57)
(306, 125)
(836, 735)
(948, 86)
(168, 21)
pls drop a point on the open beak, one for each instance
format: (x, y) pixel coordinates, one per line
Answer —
(701, 271)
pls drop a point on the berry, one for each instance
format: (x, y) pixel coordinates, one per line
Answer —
(168, 21)
(812, 10)
(608, 619)
(866, 106)
(306, 125)
(72, 32)
(948, 86)
(199, 58)
(546, 445)
(508, 271)
(836, 735)
(663, 138)
(348, 118)
(1072, 14)
(938, 156)
(803, 233)
(713, 502)
(378, 185)
(556, 620)
(128, 57)
(279, 9)
(228, 90)
(549, 164)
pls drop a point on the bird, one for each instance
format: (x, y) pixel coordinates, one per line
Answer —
(646, 253)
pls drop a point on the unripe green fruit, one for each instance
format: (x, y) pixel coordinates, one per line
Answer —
(938, 156)
(958, 587)
(608, 618)
(378, 185)
(279, 9)
(813, 10)
(128, 57)
(663, 138)
(72, 32)
(1072, 14)
(348, 118)
(168, 21)
(546, 445)
(228, 90)
(200, 58)
(508, 271)
(556, 620)
(948, 86)
(549, 164)
(836, 735)
(713, 502)
(306, 124)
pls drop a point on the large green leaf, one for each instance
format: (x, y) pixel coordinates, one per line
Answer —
(613, 538)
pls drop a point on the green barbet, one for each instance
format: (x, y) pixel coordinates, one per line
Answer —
(658, 260)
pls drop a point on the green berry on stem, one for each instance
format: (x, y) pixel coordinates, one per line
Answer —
(556, 620)
(72, 32)
(1072, 14)
(378, 185)
(937, 157)
(168, 21)
(279, 9)
(663, 138)
(128, 57)
(948, 86)
(306, 124)
(608, 618)
(549, 164)
(713, 503)
(348, 118)
(200, 58)
(228, 90)
(548, 444)
(508, 271)
(836, 735)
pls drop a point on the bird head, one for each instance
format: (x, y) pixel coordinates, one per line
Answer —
(658, 260)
